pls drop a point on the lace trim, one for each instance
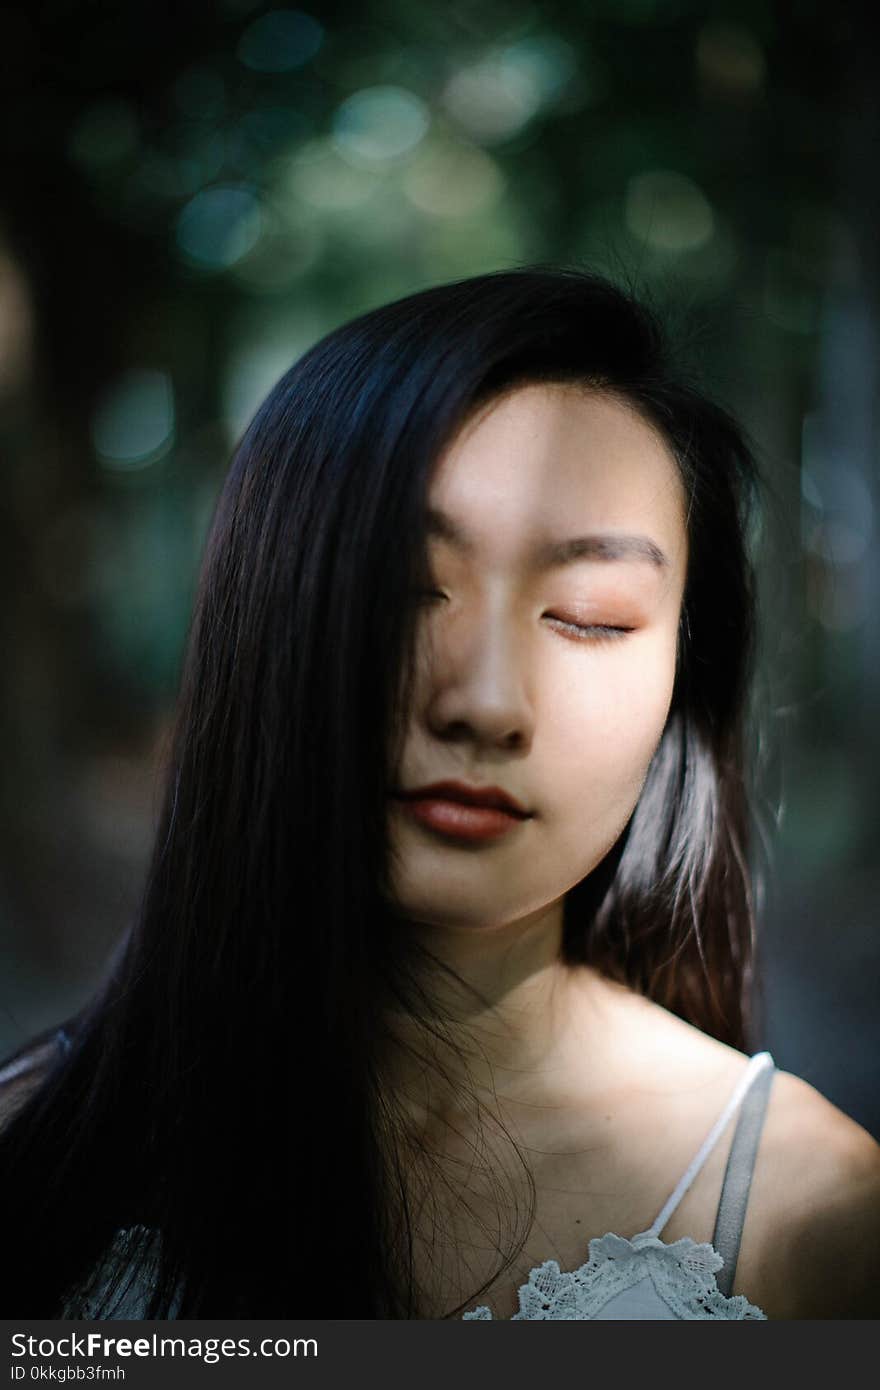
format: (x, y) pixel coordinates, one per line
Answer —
(682, 1273)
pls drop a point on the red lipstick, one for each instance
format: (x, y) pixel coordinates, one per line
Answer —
(464, 812)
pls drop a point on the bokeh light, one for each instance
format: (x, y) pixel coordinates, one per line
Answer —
(316, 174)
(667, 211)
(379, 124)
(219, 226)
(452, 179)
(280, 41)
(497, 96)
(133, 426)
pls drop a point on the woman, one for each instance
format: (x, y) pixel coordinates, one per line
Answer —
(443, 962)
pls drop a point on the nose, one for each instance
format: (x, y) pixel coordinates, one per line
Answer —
(478, 686)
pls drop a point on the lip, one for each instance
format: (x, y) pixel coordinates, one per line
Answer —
(460, 812)
(458, 821)
(491, 798)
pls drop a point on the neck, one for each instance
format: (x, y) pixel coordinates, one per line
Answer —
(513, 1030)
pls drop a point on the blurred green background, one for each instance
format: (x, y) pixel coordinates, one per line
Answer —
(192, 194)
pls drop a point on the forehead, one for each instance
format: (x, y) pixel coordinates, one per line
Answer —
(549, 459)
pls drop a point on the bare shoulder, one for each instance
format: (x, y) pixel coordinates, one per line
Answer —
(810, 1243)
(811, 1237)
(811, 1240)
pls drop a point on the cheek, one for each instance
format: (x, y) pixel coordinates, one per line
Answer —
(608, 729)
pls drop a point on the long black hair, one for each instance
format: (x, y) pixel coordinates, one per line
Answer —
(224, 1087)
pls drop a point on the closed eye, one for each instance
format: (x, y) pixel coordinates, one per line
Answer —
(597, 631)
(583, 631)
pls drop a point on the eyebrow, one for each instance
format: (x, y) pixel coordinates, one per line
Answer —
(610, 546)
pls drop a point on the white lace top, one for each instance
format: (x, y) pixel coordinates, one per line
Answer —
(644, 1278)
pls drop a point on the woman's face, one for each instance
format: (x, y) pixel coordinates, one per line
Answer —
(547, 676)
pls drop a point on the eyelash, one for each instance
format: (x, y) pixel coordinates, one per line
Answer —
(599, 632)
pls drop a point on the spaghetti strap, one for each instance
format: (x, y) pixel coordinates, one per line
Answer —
(738, 1178)
(756, 1065)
